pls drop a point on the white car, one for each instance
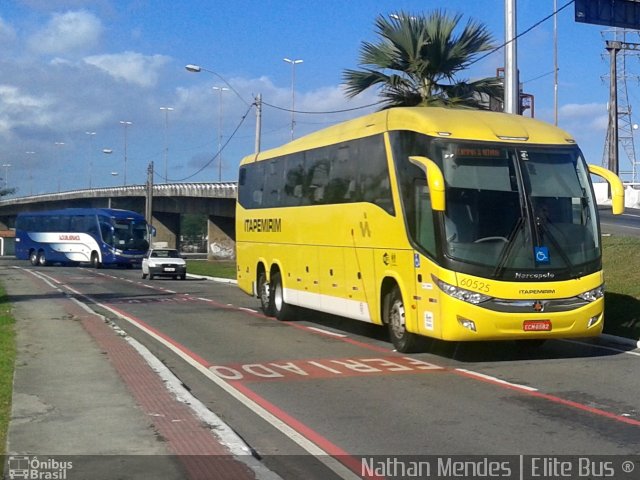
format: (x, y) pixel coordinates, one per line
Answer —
(164, 262)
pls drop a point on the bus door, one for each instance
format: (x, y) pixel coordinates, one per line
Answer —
(426, 293)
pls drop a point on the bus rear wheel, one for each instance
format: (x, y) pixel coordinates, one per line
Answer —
(33, 258)
(42, 259)
(264, 294)
(394, 312)
(281, 309)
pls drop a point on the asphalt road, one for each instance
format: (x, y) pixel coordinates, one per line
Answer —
(334, 387)
(626, 224)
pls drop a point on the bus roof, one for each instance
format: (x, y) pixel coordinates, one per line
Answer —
(467, 124)
(110, 212)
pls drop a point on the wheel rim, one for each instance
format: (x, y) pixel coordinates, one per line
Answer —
(277, 297)
(33, 258)
(396, 319)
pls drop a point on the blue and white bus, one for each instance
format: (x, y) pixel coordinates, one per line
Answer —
(100, 236)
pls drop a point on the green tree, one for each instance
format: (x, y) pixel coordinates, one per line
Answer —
(418, 60)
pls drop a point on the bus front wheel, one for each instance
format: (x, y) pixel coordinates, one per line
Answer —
(95, 262)
(403, 341)
(281, 309)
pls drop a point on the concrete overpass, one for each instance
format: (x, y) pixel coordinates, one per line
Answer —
(169, 201)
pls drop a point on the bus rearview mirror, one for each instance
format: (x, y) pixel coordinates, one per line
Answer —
(617, 188)
(435, 181)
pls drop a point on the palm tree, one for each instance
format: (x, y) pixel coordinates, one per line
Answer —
(425, 57)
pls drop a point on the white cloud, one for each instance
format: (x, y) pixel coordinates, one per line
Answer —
(67, 32)
(586, 116)
(130, 67)
(20, 109)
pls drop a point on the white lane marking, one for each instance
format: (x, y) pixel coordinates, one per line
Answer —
(250, 310)
(496, 380)
(326, 332)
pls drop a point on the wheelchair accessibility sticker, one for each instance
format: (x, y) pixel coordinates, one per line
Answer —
(542, 255)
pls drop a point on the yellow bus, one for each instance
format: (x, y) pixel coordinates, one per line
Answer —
(446, 223)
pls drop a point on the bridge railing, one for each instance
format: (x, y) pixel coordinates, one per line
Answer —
(205, 190)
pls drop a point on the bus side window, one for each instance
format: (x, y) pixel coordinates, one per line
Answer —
(318, 180)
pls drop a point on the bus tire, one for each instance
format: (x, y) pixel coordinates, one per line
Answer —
(281, 309)
(33, 258)
(264, 294)
(42, 259)
(95, 263)
(394, 312)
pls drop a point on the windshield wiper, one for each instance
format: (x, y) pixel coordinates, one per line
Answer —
(506, 251)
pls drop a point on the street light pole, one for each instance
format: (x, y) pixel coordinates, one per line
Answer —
(125, 124)
(59, 145)
(166, 140)
(257, 103)
(220, 90)
(6, 174)
(93, 152)
(30, 167)
(293, 91)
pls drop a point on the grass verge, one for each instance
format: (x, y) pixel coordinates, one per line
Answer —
(215, 268)
(7, 360)
(621, 261)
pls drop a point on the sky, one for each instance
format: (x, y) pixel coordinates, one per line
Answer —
(71, 71)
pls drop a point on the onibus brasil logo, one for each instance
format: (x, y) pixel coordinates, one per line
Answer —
(32, 468)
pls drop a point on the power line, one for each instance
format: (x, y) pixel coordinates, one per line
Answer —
(321, 113)
(212, 159)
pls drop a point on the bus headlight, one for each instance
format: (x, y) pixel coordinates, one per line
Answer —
(460, 293)
(593, 295)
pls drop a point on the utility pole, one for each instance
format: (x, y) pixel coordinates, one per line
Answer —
(148, 210)
(258, 105)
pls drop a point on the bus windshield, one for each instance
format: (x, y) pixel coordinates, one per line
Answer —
(511, 211)
(125, 233)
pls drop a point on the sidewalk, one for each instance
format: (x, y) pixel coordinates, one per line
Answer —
(84, 394)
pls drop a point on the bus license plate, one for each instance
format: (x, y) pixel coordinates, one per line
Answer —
(169, 269)
(537, 326)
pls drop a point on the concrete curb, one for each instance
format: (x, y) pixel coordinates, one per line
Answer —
(214, 279)
(624, 341)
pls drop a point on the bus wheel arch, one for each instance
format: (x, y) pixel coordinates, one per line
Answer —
(394, 316)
